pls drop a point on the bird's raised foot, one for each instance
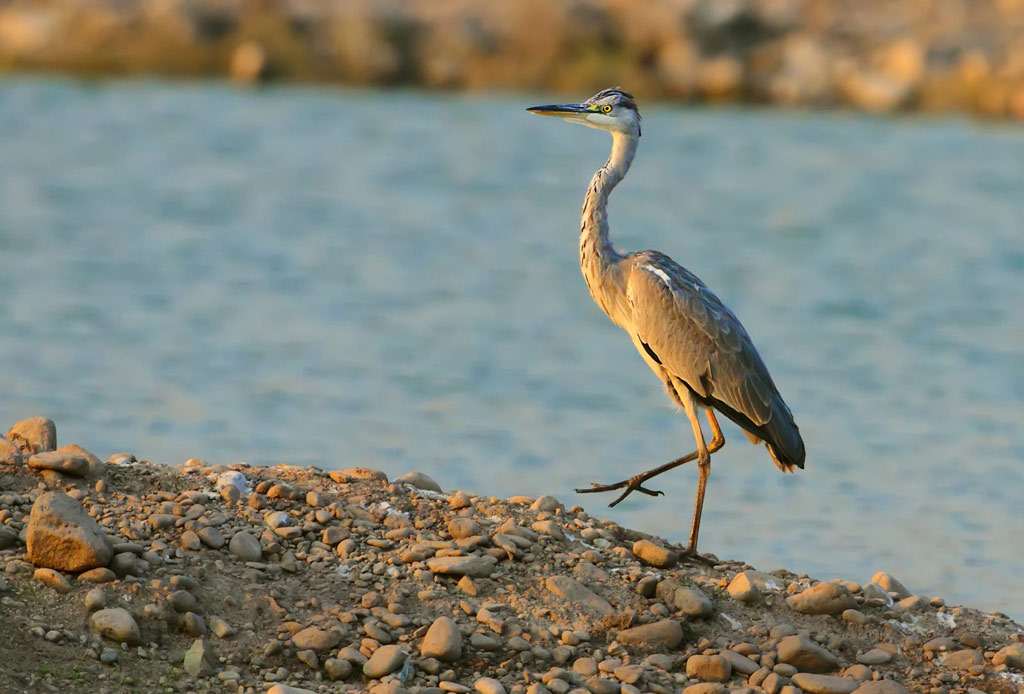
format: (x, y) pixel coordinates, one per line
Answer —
(633, 484)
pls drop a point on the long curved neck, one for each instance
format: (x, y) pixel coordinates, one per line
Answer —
(598, 258)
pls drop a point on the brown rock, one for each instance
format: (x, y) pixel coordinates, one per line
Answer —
(249, 63)
(33, 435)
(824, 684)
(706, 688)
(742, 588)
(739, 662)
(314, 639)
(419, 481)
(96, 466)
(579, 595)
(116, 624)
(880, 687)
(9, 453)
(384, 660)
(443, 641)
(54, 579)
(655, 555)
(62, 536)
(806, 655)
(58, 461)
(824, 598)
(666, 633)
(473, 565)
(891, 585)
(1012, 656)
(963, 659)
(690, 601)
(711, 668)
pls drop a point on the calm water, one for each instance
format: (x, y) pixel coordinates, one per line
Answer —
(390, 279)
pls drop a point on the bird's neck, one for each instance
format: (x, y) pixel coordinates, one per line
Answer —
(599, 261)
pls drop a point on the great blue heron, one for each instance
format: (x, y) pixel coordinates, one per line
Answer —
(694, 344)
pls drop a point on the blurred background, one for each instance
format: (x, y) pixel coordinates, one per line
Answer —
(383, 270)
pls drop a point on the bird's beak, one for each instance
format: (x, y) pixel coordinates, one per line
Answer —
(561, 110)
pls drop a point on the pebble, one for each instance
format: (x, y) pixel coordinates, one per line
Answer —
(338, 668)
(211, 537)
(455, 687)
(876, 656)
(596, 685)
(54, 579)
(60, 461)
(124, 564)
(199, 662)
(742, 588)
(666, 633)
(419, 481)
(220, 628)
(285, 689)
(116, 624)
(460, 528)
(95, 599)
(183, 601)
(942, 643)
(890, 585)
(245, 547)
(690, 601)
(824, 598)
(100, 574)
(193, 624)
(316, 639)
(805, 655)
(578, 595)
(108, 656)
(705, 688)
(963, 659)
(473, 565)
(443, 641)
(711, 668)
(852, 616)
(1011, 656)
(384, 660)
(191, 541)
(547, 503)
(824, 684)
(629, 674)
(489, 685)
(880, 687)
(587, 667)
(739, 662)
(655, 555)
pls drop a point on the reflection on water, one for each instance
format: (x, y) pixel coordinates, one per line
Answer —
(347, 277)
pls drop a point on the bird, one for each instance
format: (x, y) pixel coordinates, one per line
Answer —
(681, 329)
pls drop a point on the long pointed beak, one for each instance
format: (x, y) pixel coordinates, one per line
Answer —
(561, 110)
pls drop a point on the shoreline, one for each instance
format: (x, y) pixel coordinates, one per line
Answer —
(133, 576)
(874, 56)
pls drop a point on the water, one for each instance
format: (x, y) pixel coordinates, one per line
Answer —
(390, 279)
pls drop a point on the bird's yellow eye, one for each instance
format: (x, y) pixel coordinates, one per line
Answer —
(607, 108)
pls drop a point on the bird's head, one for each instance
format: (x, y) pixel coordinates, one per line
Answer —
(610, 109)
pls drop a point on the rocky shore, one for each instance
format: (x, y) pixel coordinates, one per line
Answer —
(129, 576)
(930, 55)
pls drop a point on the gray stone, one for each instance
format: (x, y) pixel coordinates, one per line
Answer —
(183, 601)
(95, 599)
(806, 655)
(124, 564)
(739, 662)
(891, 585)
(711, 668)
(419, 481)
(876, 656)
(546, 503)
(655, 555)
(824, 598)
(460, 528)
(9, 453)
(384, 660)
(706, 688)
(116, 624)
(691, 601)
(60, 461)
(666, 633)
(742, 588)
(596, 685)
(443, 641)
(190, 541)
(489, 685)
(34, 435)
(193, 624)
(220, 628)
(245, 547)
(337, 668)
(285, 689)
(880, 687)
(62, 536)
(579, 595)
(211, 537)
(963, 659)
(549, 528)
(315, 639)
(473, 565)
(824, 684)
(109, 656)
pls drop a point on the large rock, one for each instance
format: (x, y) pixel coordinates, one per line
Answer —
(579, 595)
(96, 466)
(61, 461)
(62, 536)
(315, 639)
(824, 598)
(419, 481)
(805, 655)
(384, 661)
(442, 641)
(116, 624)
(9, 453)
(34, 435)
(246, 547)
(880, 687)
(666, 633)
(473, 565)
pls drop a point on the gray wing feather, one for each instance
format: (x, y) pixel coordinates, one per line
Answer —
(697, 338)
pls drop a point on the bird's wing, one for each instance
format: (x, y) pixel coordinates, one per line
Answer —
(687, 329)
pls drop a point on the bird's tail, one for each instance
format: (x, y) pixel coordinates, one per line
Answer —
(782, 438)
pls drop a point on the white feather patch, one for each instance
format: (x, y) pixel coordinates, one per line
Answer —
(660, 273)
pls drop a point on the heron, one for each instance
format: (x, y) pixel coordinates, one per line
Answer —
(686, 335)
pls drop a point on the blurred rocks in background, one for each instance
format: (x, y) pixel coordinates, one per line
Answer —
(933, 55)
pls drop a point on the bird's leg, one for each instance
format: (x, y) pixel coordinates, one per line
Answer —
(635, 483)
(704, 466)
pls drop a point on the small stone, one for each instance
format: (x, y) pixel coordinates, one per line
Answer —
(880, 687)
(549, 528)
(124, 564)
(33, 435)
(705, 688)
(655, 555)
(220, 628)
(95, 599)
(190, 541)
(419, 481)
(690, 601)
(384, 661)
(876, 656)
(361, 473)
(211, 537)
(285, 689)
(443, 641)
(9, 453)
(742, 588)
(308, 657)
(316, 639)
(915, 603)
(100, 574)
(116, 624)
(711, 668)
(472, 565)
(338, 669)
(193, 624)
(199, 662)
(245, 547)
(852, 616)
(628, 674)
(806, 655)
(963, 659)
(183, 601)
(547, 504)
(459, 500)
(455, 687)
(666, 633)
(54, 579)
(824, 598)
(352, 655)
(109, 656)
(467, 586)
(1012, 656)
(739, 662)
(460, 528)
(943, 643)
(824, 684)
(60, 461)
(596, 685)
(579, 595)
(891, 585)
(858, 672)
(489, 685)
(62, 536)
